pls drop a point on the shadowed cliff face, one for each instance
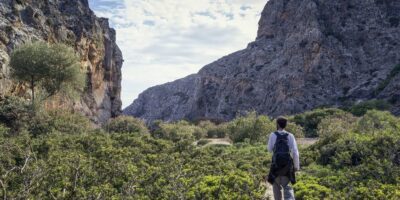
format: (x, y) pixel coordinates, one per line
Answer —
(308, 53)
(71, 22)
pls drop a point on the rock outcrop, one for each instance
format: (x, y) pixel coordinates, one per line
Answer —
(71, 22)
(308, 53)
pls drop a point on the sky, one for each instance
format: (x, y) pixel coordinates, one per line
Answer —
(164, 40)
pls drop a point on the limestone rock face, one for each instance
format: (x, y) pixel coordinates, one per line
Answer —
(308, 53)
(73, 23)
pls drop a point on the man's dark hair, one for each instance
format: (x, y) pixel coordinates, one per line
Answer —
(281, 122)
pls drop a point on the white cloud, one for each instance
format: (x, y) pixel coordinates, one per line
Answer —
(163, 40)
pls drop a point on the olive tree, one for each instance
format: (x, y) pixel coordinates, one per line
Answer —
(52, 68)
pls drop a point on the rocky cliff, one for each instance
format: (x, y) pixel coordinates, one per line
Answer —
(71, 22)
(308, 53)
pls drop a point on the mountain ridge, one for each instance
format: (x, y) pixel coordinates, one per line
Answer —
(307, 54)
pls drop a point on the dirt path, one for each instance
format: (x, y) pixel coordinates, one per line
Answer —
(304, 142)
(216, 141)
(221, 141)
(269, 194)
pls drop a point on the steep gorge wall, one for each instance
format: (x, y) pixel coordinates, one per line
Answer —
(308, 53)
(71, 22)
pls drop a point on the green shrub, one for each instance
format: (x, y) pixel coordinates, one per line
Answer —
(252, 127)
(40, 124)
(69, 122)
(372, 190)
(374, 120)
(178, 131)
(14, 113)
(214, 131)
(311, 189)
(126, 124)
(3, 130)
(333, 127)
(231, 186)
(310, 120)
(199, 133)
(206, 125)
(362, 108)
(221, 131)
(353, 165)
(209, 128)
(62, 121)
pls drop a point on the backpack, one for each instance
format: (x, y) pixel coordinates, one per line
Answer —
(281, 158)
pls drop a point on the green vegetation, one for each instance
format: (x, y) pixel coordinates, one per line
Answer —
(60, 155)
(250, 127)
(125, 124)
(179, 131)
(54, 69)
(3, 130)
(310, 120)
(360, 163)
(96, 164)
(14, 112)
(362, 108)
(214, 131)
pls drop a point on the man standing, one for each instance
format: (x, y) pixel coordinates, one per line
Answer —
(285, 161)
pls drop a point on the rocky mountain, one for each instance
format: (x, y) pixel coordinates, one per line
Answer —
(308, 53)
(71, 22)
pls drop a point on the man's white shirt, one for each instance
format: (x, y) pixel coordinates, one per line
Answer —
(292, 146)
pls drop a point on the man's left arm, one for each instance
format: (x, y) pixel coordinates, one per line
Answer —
(271, 142)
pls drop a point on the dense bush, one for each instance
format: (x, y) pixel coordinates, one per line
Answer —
(181, 130)
(310, 120)
(14, 112)
(3, 130)
(126, 166)
(69, 122)
(214, 131)
(63, 121)
(373, 121)
(310, 188)
(252, 127)
(234, 185)
(362, 108)
(220, 131)
(126, 124)
(360, 163)
(335, 126)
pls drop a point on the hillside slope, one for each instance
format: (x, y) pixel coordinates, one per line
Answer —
(73, 23)
(308, 53)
